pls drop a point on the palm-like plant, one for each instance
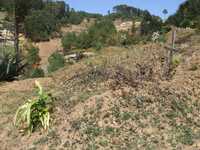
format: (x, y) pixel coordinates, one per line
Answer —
(9, 68)
(35, 112)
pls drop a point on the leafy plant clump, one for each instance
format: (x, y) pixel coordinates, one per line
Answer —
(34, 113)
(37, 73)
(40, 25)
(56, 61)
(101, 34)
(9, 68)
(33, 61)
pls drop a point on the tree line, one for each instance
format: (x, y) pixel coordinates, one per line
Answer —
(188, 15)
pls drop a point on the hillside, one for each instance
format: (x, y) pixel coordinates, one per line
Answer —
(73, 80)
(187, 15)
(118, 99)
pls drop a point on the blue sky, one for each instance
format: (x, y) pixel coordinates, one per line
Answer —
(102, 6)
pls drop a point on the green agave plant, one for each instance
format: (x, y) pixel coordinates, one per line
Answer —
(35, 112)
(9, 68)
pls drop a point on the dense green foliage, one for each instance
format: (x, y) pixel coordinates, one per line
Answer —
(40, 25)
(76, 17)
(69, 41)
(33, 59)
(9, 69)
(102, 33)
(55, 8)
(35, 112)
(36, 73)
(4, 4)
(126, 12)
(56, 61)
(150, 24)
(187, 15)
(33, 55)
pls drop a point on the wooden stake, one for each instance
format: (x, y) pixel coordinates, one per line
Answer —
(170, 52)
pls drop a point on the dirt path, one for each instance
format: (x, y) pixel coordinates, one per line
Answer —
(47, 49)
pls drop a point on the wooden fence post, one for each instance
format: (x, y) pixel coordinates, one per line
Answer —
(170, 52)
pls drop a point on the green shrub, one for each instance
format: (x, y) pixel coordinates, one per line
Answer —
(33, 60)
(197, 24)
(165, 29)
(176, 60)
(97, 45)
(186, 23)
(35, 112)
(40, 25)
(56, 61)
(69, 41)
(9, 69)
(150, 24)
(84, 41)
(57, 8)
(36, 73)
(124, 39)
(194, 67)
(162, 38)
(75, 18)
(33, 55)
(102, 33)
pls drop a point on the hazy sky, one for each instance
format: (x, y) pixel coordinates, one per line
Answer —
(102, 6)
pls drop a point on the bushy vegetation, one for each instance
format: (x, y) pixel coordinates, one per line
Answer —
(40, 25)
(187, 15)
(34, 113)
(56, 61)
(76, 17)
(150, 24)
(197, 23)
(33, 60)
(39, 19)
(55, 8)
(69, 41)
(33, 55)
(27, 67)
(9, 68)
(36, 73)
(102, 33)
(126, 12)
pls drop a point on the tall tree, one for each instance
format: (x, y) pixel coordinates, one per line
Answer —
(18, 10)
(165, 12)
(187, 14)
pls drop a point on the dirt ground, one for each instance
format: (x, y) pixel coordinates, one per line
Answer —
(128, 106)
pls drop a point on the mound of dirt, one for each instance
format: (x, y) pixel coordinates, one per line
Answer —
(116, 100)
